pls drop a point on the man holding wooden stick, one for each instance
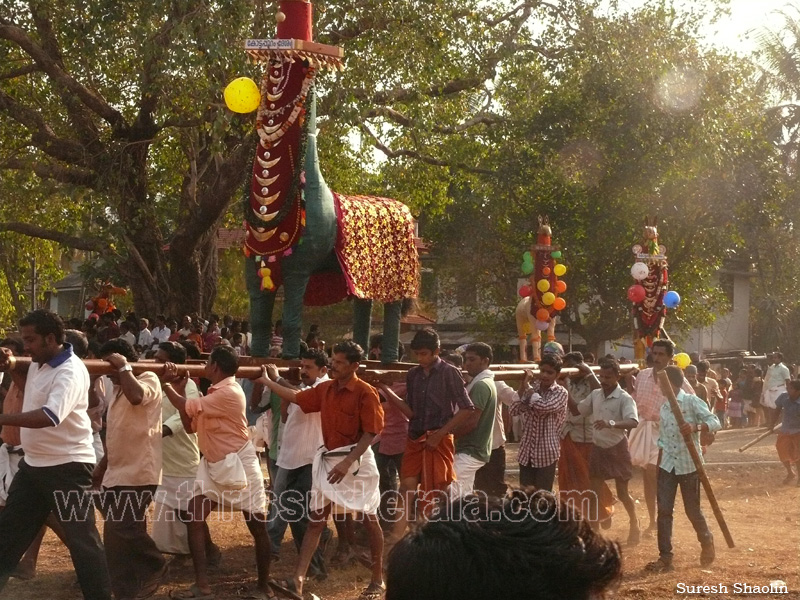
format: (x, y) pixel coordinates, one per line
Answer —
(677, 468)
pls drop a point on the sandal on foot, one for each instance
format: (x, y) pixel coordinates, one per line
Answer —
(285, 587)
(374, 591)
(152, 585)
(192, 593)
(662, 565)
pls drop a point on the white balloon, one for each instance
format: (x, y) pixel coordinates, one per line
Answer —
(640, 271)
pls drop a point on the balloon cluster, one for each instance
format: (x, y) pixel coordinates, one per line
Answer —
(636, 293)
(242, 95)
(549, 288)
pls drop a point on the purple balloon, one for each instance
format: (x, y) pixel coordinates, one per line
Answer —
(542, 325)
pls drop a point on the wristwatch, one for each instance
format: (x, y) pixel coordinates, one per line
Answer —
(125, 367)
(612, 423)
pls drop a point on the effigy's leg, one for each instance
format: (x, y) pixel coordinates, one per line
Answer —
(391, 332)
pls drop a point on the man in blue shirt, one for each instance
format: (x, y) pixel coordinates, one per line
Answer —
(788, 444)
(676, 468)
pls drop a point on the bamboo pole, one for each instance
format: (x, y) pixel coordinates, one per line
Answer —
(288, 369)
(766, 434)
(666, 389)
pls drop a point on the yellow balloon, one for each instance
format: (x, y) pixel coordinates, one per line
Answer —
(548, 298)
(242, 95)
(543, 285)
(682, 360)
(559, 270)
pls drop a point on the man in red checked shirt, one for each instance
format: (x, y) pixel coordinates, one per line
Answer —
(543, 407)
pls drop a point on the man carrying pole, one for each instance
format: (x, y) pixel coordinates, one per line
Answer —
(678, 466)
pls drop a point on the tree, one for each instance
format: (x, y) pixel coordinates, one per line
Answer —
(773, 238)
(121, 103)
(635, 118)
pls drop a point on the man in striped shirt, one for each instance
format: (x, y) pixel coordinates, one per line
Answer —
(643, 440)
(543, 407)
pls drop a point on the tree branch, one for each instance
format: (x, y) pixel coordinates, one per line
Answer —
(19, 72)
(78, 113)
(436, 162)
(159, 46)
(90, 98)
(52, 171)
(42, 135)
(137, 257)
(401, 119)
(79, 243)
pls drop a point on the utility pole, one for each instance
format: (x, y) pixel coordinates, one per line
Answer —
(33, 283)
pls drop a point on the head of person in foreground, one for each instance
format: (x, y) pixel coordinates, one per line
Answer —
(524, 546)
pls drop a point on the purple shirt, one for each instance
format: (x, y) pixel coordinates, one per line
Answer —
(434, 397)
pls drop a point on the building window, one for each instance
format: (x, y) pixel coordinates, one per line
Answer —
(726, 284)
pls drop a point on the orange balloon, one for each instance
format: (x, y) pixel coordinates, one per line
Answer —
(542, 314)
(561, 286)
(546, 271)
(559, 304)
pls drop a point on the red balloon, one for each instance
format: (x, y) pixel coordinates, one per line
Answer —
(525, 291)
(636, 293)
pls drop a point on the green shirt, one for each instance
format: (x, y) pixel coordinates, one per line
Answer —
(478, 442)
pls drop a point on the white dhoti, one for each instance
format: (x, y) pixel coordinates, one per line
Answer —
(465, 467)
(643, 444)
(251, 498)
(172, 496)
(97, 444)
(10, 458)
(771, 395)
(359, 491)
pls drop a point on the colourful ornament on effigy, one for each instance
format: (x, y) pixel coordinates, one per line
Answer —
(542, 299)
(647, 294)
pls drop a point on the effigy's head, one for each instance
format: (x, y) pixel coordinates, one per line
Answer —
(274, 208)
(651, 228)
(544, 226)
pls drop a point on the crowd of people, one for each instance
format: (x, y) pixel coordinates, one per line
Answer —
(389, 465)
(197, 334)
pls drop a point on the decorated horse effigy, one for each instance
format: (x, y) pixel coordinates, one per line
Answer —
(322, 247)
(541, 300)
(649, 296)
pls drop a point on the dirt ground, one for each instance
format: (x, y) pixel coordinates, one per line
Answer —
(763, 517)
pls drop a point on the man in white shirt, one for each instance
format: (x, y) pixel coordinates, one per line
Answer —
(56, 473)
(301, 438)
(125, 333)
(186, 327)
(145, 339)
(775, 382)
(161, 332)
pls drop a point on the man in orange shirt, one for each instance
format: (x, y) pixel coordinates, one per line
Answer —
(220, 422)
(344, 472)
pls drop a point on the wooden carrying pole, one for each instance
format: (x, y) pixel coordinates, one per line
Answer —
(286, 368)
(766, 434)
(666, 389)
